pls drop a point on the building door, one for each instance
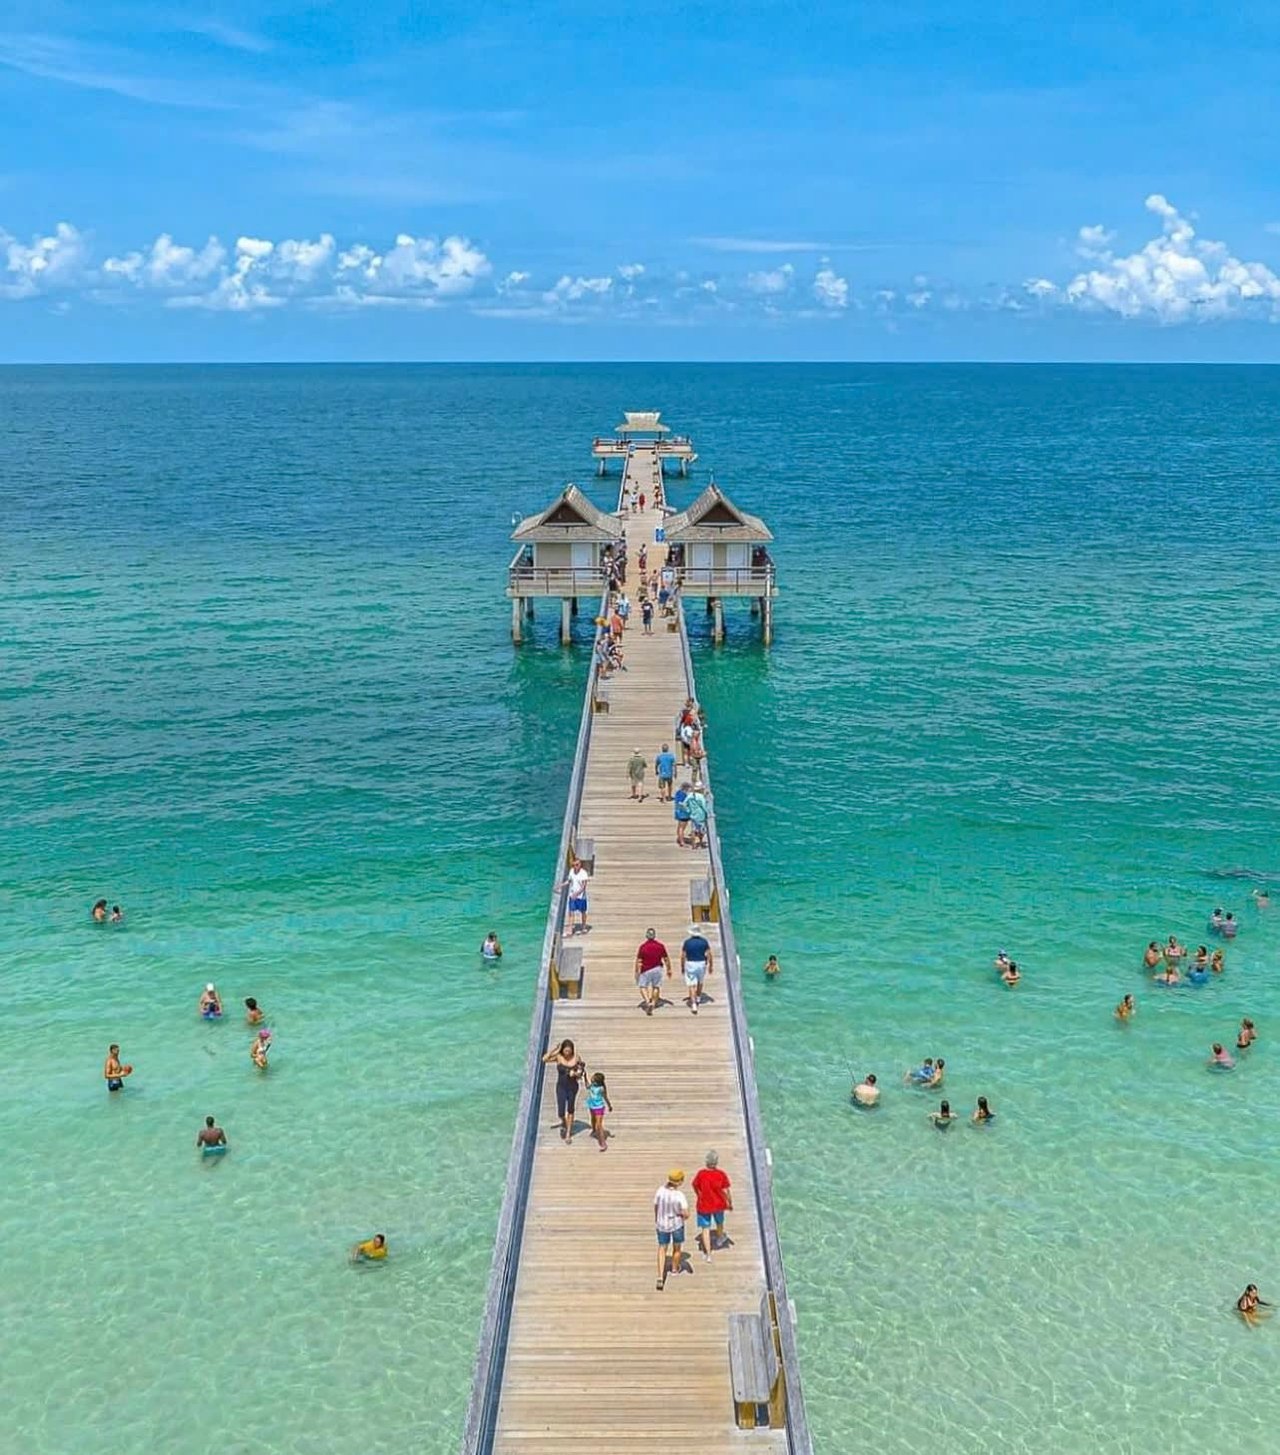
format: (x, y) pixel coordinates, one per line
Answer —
(582, 556)
(700, 559)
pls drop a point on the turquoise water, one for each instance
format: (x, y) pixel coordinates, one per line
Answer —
(258, 689)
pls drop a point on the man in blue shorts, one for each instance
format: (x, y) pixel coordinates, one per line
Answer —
(695, 961)
(576, 884)
(670, 1213)
(711, 1189)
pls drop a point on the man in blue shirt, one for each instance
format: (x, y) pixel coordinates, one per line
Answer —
(664, 765)
(695, 961)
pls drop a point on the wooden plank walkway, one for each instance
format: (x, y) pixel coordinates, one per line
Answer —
(593, 1357)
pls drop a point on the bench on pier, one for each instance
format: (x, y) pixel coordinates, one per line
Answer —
(703, 904)
(600, 697)
(755, 1371)
(566, 973)
(584, 849)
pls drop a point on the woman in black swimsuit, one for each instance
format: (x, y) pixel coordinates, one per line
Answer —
(571, 1071)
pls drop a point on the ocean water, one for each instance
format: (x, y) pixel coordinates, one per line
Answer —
(258, 689)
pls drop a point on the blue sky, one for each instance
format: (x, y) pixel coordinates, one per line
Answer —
(211, 179)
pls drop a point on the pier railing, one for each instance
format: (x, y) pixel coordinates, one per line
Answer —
(486, 1387)
(799, 1439)
(554, 580)
(726, 580)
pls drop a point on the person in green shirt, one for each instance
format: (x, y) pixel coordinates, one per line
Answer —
(635, 771)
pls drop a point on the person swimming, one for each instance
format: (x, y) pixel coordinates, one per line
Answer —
(99, 912)
(1218, 962)
(1002, 961)
(1246, 1036)
(117, 915)
(1202, 958)
(1216, 920)
(922, 1075)
(1230, 927)
(1151, 955)
(866, 1092)
(1173, 951)
(491, 949)
(943, 1117)
(1251, 1308)
(210, 1003)
(1221, 1059)
(252, 1011)
(1011, 975)
(939, 1066)
(372, 1250)
(982, 1113)
(261, 1046)
(210, 1135)
(1261, 899)
(771, 968)
(1126, 1008)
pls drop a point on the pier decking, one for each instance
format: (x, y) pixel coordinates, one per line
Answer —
(579, 1350)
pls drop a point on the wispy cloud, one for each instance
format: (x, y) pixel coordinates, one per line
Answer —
(230, 36)
(102, 68)
(757, 245)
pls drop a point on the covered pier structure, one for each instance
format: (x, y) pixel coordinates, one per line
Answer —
(644, 428)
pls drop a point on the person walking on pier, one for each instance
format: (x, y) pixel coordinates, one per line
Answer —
(695, 962)
(636, 766)
(646, 616)
(623, 609)
(713, 1200)
(651, 960)
(680, 810)
(664, 766)
(670, 1213)
(576, 884)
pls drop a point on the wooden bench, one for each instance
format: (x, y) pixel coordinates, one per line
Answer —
(701, 901)
(600, 697)
(755, 1369)
(566, 973)
(584, 849)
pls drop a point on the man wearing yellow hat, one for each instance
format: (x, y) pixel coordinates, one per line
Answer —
(670, 1213)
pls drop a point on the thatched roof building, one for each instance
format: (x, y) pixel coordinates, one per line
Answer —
(570, 517)
(642, 422)
(714, 518)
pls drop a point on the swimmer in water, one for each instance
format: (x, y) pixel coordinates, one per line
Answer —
(943, 1117)
(99, 912)
(210, 1003)
(1201, 961)
(1251, 1308)
(983, 1113)
(936, 1079)
(1167, 976)
(1173, 951)
(771, 968)
(252, 1012)
(1217, 962)
(258, 1051)
(491, 949)
(372, 1250)
(1230, 927)
(117, 915)
(1261, 899)
(211, 1135)
(1011, 975)
(114, 1070)
(867, 1093)
(1151, 955)
(1246, 1036)
(1221, 1058)
(1002, 961)
(1126, 1008)
(921, 1075)
(1215, 920)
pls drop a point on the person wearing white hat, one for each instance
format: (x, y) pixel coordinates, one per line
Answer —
(210, 1003)
(695, 962)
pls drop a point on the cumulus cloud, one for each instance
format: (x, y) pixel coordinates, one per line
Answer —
(771, 282)
(46, 264)
(167, 264)
(829, 288)
(631, 271)
(1174, 278)
(573, 290)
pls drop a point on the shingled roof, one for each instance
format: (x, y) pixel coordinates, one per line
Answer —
(569, 517)
(714, 517)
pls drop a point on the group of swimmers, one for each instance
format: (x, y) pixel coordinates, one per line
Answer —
(210, 1008)
(101, 916)
(1008, 968)
(1164, 959)
(926, 1077)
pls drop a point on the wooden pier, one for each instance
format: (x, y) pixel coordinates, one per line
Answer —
(579, 1350)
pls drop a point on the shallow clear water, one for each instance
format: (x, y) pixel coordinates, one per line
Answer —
(258, 689)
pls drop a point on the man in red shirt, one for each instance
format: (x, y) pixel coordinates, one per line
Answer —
(711, 1187)
(651, 957)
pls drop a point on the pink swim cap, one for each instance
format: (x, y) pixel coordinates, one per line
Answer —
(264, 1035)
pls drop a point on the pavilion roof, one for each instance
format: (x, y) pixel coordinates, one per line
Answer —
(642, 422)
(569, 517)
(714, 517)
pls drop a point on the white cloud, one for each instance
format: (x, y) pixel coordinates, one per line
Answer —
(573, 290)
(771, 283)
(1040, 287)
(166, 264)
(757, 245)
(829, 288)
(514, 279)
(1093, 241)
(631, 271)
(1175, 277)
(58, 260)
